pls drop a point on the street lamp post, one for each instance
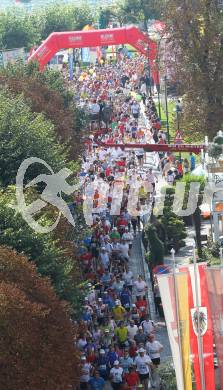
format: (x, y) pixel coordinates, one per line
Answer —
(178, 122)
(221, 256)
(178, 110)
(157, 64)
(177, 306)
(149, 72)
(167, 112)
(158, 93)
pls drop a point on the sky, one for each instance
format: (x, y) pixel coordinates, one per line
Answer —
(34, 3)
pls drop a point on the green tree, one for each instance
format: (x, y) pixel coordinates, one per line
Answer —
(170, 226)
(104, 17)
(195, 35)
(54, 260)
(18, 30)
(139, 11)
(196, 216)
(156, 246)
(211, 253)
(64, 17)
(25, 134)
(37, 336)
(46, 93)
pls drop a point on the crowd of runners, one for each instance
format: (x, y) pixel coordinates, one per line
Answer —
(117, 339)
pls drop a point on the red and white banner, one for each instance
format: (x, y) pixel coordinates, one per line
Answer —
(205, 321)
(214, 278)
(166, 287)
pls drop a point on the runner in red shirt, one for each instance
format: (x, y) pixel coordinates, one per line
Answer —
(132, 378)
(142, 306)
(121, 127)
(121, 225)
(108, 171)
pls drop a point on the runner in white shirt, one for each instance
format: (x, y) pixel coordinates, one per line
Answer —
(94, 108)
(102, 153)
(143, 364)
(85, 371)
(104, 258)
(128, 237)
(140, 286)
(151, 178)
(153, 348)
(132, 330)
(107, 245)
(128, 278)
(140, 155)
(91, 295)
(124, 248)
(116, 374)
(115, 153)
(148, 326)
(135, 109)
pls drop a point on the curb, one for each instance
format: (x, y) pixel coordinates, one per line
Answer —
(149, 284)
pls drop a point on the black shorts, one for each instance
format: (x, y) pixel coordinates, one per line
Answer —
(94, 117)
(116, 386)
(135, 116)
(144, 376)
(140, 157)
(156, 361)
(83, 385)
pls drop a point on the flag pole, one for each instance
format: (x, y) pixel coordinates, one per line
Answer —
(199, 336)
(177, 310)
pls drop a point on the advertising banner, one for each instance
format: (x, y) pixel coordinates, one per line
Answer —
(214, 283)
(166, 287)
(205, 325)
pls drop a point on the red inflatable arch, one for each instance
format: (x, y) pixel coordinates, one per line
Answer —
(78, 39)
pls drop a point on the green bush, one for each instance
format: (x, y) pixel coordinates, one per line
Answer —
(211, 254)
(155, 245)
(175, 230)
(218, 140)
(167, 376)
(171, 228)
(215, 150)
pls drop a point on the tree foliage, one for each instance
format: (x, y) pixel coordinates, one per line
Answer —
(53, 255)
(19, 28)
(25, 134)
(64, 17)
(46, 93)
(195, 35)
(188, 179)
(155, 245)
(37, 336)
(137, 11)
(171, 228)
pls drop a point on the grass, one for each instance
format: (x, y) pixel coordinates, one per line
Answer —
(172, 117)
(173, 125)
